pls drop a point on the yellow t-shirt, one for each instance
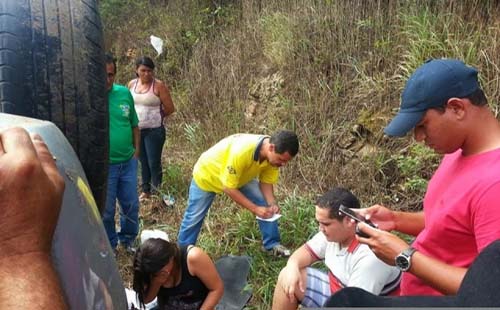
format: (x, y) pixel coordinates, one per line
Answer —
(232, 163)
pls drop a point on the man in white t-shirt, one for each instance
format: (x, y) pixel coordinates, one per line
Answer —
(349, 263)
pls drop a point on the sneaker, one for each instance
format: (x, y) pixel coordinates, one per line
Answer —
(168, 200)
(144, 196)
(129, 249)
(279, 250)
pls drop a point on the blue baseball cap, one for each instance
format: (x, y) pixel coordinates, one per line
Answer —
(430, 86)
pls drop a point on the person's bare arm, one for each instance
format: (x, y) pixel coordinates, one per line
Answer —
(31, 189)
(439, 275)
(137, 140)
(443, 277)
(152, 291)
(29, 281)
(108, 301)
(238, 197)
(268, 193)
(165, 98)
(411, 223)
(289, 276)
(201, 266)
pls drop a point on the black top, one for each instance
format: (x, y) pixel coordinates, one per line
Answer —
(188, 295)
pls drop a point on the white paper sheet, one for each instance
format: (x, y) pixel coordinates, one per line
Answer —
(271, 219)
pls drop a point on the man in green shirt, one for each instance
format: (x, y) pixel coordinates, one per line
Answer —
(123, 154)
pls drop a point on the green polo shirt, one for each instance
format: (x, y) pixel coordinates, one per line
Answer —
(122, 118)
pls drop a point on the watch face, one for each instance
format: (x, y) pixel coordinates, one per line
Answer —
(402, 262)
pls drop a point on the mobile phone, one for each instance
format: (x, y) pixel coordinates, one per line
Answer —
(351, 214)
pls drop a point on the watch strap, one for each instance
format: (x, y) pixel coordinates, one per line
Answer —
(409, 252)
(403, 260)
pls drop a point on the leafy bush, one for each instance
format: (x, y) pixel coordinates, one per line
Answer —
(415, 167)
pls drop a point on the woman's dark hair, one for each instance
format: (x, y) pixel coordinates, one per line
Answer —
(145, 61)
(149, 259)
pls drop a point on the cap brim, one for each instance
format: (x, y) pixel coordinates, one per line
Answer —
(402, 123)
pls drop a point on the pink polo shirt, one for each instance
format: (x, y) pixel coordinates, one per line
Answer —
(462, 213)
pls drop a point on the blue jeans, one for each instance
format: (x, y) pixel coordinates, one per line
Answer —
(200, 201)
(152, 140)
(122, 185)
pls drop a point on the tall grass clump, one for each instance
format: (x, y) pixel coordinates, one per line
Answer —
(429, 35)
(278, 38)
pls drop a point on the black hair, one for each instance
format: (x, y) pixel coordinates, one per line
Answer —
(285, 141)
(477, 98)
(334, 198)
(109, 59)
(145, 61)
(149, 259)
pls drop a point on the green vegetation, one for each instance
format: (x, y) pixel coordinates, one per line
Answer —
(331, 70)
(411, 166)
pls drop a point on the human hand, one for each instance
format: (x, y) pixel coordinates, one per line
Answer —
(263, 212)
(290, 280)
(379, 215)
(275, 208)
(31, 191)
(136, 154)
(384, 245)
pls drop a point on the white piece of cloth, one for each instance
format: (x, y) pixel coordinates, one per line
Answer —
(153, 233)
(157, 44)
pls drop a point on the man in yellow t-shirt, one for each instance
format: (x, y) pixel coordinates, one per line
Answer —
(245, 167)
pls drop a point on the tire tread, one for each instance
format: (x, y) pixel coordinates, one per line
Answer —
(52, 68)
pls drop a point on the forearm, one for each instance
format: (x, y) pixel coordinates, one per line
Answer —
(212, 299)
(443, 277)
(411, 223)
(301, 258)
(136, 138)
(30, 282)
(151, 292)
(166, 99)
(107, 298)
(168, 106)
(268, 193)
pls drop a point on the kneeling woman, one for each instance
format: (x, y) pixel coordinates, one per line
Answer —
(181, 277)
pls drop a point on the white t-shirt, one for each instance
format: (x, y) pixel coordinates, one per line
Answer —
(355, 266)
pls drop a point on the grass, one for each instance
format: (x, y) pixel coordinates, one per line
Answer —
(331, 70)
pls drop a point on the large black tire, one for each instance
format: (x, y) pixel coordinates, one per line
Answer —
(52, 68)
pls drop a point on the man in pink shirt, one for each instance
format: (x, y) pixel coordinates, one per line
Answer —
(446, 108)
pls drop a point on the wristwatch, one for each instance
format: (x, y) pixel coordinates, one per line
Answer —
(403, 260)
